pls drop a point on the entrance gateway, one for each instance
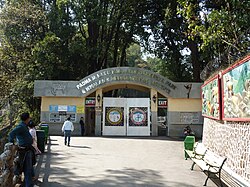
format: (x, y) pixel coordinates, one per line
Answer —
(162, 103)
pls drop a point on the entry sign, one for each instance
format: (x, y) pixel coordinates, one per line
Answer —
(162, 103)
(90, 101)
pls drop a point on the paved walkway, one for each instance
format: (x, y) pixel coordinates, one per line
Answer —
(117, 162)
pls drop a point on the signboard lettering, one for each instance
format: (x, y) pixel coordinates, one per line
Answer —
(125, 74)
(162, 103)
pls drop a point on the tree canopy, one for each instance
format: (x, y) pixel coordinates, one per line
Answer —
(70, 39)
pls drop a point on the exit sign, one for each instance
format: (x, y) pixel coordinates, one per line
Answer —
(162, 103)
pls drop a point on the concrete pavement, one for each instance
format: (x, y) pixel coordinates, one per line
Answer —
(117, 162)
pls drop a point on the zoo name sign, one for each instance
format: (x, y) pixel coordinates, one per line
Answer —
(125, 74)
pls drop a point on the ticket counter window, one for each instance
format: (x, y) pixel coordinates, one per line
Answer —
(72, 117)
(57, 117)
(54, 117)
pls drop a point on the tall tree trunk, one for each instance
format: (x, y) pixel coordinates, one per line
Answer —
(92, 45)
(93, 36)
(116, 45)
(123, 55)
(193, 46)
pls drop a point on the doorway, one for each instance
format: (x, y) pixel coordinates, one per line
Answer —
(90, 121)
(126, 117)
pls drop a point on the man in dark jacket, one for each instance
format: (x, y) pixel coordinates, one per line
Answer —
(25, 149)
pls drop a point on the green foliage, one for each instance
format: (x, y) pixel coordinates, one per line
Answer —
(46, 55)
(68, 40)
(22, 25)
(223, 26)
(134, 56)
(171, 37)
(171, 69)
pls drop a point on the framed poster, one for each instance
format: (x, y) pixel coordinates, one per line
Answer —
(79, 109)
(114, 116)
(53, 108)
(62, 107)
(138, 116)
(211, 98)
(71, 108)
(236, 91)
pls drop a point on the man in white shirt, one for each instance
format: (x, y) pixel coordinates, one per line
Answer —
(67, 128)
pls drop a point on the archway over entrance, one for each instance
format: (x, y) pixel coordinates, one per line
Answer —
(74, 97)
(124, 78)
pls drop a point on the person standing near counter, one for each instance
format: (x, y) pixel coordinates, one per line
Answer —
(82, 126)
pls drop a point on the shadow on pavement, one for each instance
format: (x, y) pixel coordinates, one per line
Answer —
(77, 146)
(127, 177)
(44, 158)
(146, 138)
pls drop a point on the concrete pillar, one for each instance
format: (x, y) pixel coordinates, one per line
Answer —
(81, 110)
(154, 108)
(98, 112)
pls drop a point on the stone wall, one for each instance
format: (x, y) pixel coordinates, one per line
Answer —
(7, 165)
(230, 139)
(3, 137)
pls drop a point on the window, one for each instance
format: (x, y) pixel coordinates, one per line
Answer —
(54, 117)
(72, 116)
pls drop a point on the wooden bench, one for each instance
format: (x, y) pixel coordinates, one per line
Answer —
(210, 163)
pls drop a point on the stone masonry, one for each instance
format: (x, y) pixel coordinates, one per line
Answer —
(230, 139)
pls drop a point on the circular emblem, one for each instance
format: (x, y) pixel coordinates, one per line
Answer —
(114, 116)
(138, 116)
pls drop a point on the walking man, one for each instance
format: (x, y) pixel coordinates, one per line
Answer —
(67, 128)
(82, 126)
(25, 150)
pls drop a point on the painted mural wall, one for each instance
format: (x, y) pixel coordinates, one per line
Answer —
(229, 134)
(236, 92)
(226, 96)
(211, 98)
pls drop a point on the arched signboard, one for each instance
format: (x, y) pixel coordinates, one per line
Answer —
(127, 75)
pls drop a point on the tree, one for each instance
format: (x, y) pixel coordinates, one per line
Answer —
(22, 24)
(169, 41)
(222, 26)
(103, 30)
(134, 56)
(108, 28)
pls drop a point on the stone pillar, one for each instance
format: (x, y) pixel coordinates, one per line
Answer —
(154, 108)
(98, 112)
